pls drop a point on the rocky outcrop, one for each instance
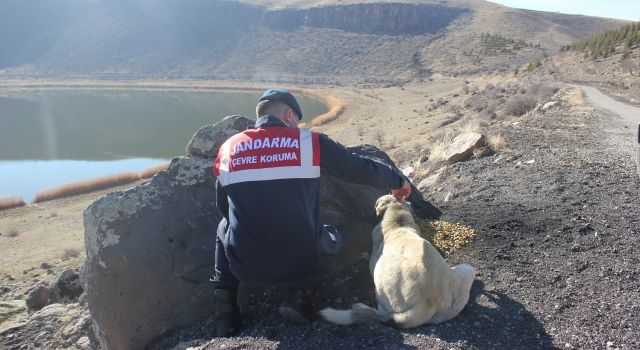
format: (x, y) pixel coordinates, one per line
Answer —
(150, 248)
(55, 326)
(378, 18)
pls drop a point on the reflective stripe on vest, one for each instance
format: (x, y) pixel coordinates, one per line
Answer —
(268, 154)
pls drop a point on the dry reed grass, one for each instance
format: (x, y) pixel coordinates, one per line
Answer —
(335, 105)
(440, 146)
(70, 253)
(496, 142)
(151, 171)
(471, 125)
(11, 202)
(86, 186)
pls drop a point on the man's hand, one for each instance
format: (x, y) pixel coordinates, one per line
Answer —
(403, 192)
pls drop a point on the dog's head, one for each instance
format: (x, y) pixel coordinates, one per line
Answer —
(388, 200)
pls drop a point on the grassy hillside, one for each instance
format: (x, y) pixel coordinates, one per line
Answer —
(287, 40)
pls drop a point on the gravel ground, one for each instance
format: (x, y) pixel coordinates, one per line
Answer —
(558, 227)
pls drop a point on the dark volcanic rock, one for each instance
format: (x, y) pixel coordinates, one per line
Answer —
(38, 297)
(65, 287)
(149, 253)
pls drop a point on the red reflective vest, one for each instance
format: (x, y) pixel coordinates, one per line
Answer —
(268, 154)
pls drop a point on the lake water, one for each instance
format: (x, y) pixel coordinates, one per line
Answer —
(52, 137)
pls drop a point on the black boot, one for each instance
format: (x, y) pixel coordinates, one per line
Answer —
(226, 313)
(298, 306)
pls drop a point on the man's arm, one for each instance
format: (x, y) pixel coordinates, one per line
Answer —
(222, 201)
(336, 160)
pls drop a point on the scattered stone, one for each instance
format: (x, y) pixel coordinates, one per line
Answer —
(45, 266)
(462, 147)
(550, 105)
(65, 287)
(449, 196)
(38, 297)
(84, 343)
(430, 181)
(482, 152)
(424, 155)
(408, 171)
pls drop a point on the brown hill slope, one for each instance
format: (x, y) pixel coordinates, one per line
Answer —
(289, 40)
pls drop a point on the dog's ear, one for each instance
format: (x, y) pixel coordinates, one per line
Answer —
(378, 212)
(380, 208)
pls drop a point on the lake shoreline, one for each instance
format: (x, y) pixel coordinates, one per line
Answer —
(334, 106)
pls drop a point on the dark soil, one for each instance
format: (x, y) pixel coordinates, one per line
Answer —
(556, 252)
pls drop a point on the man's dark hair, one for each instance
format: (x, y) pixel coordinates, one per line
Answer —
(270, 107)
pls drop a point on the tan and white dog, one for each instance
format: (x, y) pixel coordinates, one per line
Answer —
(414, 285)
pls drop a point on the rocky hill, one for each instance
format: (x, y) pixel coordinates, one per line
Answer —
(302, 41)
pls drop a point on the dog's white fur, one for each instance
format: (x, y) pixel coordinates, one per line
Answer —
(414, 285)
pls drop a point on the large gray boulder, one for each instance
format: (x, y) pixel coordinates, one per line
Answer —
(208, 139)
(150, 248)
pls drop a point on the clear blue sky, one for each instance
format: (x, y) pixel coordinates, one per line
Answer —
(622, 9)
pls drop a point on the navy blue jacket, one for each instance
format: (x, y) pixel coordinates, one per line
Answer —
(268, 190)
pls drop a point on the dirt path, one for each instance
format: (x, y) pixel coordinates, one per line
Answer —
(627, 112)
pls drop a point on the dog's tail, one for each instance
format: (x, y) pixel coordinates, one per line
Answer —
(466, 272)
(359, 313)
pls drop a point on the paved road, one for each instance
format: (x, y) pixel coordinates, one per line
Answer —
(629, 113)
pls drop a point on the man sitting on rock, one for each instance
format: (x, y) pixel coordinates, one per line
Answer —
(268, 194)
